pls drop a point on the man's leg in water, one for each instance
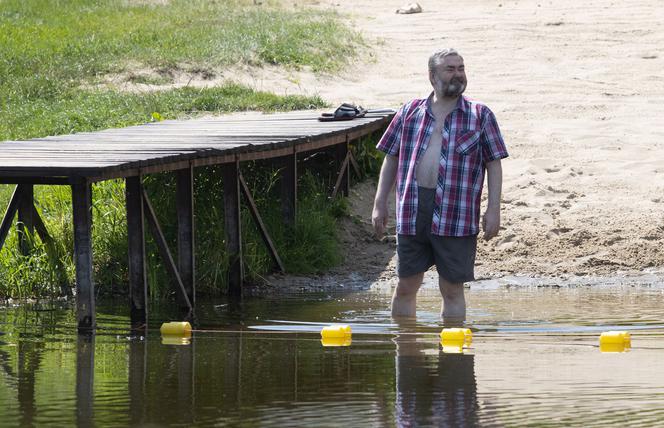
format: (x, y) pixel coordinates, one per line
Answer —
(404, 299)
(454, 301)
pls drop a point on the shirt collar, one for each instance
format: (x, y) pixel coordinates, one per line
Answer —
(462, 104)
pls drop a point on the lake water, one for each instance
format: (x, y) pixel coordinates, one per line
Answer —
(534, 360)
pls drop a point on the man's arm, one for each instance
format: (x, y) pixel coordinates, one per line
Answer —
(491, 220)
(388, 174)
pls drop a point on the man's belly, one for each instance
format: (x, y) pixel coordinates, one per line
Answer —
(426, 173)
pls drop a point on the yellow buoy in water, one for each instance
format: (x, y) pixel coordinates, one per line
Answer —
(331, 331)
(615, 341)
(456, 336)
(179, 328)
(453, 340)
(175, 333)
(336, 335)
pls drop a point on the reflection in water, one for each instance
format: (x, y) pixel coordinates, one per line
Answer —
(390, 375)
(29, 359)
(433, 388)
(85, 380)
(239, 378)
(137, 373)
(161, 384)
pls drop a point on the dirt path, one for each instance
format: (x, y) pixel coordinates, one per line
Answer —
(577, 89)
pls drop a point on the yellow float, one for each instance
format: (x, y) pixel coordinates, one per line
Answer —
(336, 335)
(175, 333)
(615, 341)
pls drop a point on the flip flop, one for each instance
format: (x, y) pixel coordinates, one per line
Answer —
(345, 111)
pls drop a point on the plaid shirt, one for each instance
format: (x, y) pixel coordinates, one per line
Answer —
(471, 138)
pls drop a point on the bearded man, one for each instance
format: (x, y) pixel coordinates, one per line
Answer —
(437, 150)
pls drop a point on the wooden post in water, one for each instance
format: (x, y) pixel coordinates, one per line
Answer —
(233, 227)
(26, 224)
(85, 290)
(138, 286)
(185, 213)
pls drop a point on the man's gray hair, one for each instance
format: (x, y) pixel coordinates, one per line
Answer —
(438, 57)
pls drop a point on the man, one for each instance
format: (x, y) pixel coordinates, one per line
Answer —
(437, 149)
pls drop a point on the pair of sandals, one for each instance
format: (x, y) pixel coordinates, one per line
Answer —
(345, 111)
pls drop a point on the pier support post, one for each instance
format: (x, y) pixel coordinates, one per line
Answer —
(342, 157)
(232, 225)
(353, 163)
(185, 213)
(138, 286)
(10, 213)
(258, 221)
(288, 187)
(26, 223)
(165, 252)
(85, 290)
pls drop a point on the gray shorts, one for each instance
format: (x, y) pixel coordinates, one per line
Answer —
(453, 256)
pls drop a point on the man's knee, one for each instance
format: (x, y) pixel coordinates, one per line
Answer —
(409, 286)
(450, 290)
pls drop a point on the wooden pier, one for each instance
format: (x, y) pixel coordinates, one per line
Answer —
(78, 160)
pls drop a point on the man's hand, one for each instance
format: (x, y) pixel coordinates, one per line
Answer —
(491, 222)
(379, 219)
(388, 174)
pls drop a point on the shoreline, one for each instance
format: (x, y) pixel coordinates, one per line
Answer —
(370, 263)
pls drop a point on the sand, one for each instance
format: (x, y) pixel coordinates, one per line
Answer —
(578, 91)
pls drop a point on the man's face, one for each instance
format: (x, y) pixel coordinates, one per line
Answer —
(449, 78)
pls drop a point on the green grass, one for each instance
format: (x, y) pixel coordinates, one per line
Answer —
(55, 57)
(53, 52)
(79, 111)
(89, 37)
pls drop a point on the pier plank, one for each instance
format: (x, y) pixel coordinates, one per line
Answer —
(163, 146)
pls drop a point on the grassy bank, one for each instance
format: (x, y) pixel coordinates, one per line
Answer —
(55, 54)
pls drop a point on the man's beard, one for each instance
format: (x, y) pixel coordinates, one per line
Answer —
(453, 89)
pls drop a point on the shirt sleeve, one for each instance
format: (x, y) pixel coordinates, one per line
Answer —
(391, 139)
(493, 146)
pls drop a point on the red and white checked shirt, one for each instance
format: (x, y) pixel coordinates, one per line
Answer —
(471, 138)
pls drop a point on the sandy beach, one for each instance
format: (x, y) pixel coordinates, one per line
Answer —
(579, 95)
